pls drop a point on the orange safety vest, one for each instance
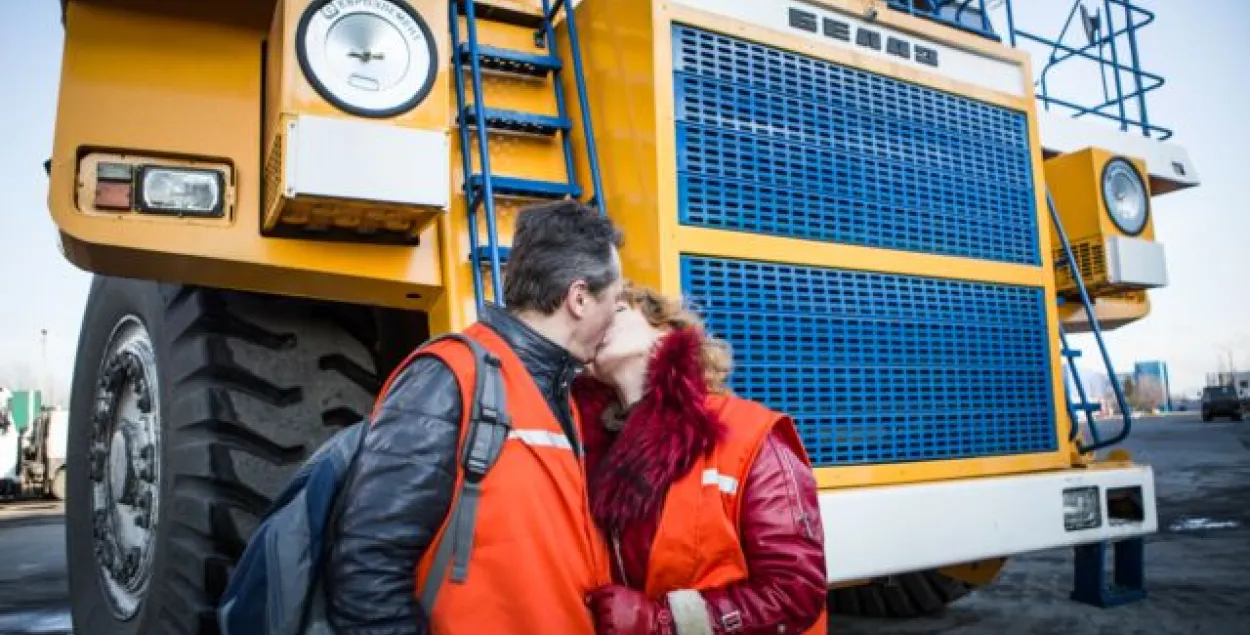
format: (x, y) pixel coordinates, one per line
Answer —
(697, 544)
(535, 550)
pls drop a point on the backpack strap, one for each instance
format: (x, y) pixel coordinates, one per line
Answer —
(488, 427)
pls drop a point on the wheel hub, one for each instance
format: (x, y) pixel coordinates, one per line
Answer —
(125, 471)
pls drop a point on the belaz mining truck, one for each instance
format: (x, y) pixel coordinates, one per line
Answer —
(890, 208)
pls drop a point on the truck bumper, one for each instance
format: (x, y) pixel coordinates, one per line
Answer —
(879, 531)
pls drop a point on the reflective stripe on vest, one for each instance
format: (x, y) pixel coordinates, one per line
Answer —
(535, 551)
(697, 544)
(542, 439)
(724, 482)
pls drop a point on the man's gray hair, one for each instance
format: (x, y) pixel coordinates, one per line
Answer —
(555, 245)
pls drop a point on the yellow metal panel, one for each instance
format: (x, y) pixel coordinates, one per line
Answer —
(626, 67)
(1063, 422)
(744, 246)
(202, 104)
(1112, 311)
(889, 474)
(978, 573)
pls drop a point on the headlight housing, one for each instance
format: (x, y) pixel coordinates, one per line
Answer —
(1082, 508)
(182, 191)
(370, 59)
(1124, 193)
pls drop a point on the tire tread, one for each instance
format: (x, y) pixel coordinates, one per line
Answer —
(901, 596)
(251, 385)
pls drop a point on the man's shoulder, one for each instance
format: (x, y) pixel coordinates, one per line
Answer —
(425, 382)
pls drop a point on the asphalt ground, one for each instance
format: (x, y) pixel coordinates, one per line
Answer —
(1197, 566)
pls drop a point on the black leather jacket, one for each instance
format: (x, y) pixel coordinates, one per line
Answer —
(402, 487)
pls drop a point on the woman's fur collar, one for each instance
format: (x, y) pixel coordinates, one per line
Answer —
(664, 433)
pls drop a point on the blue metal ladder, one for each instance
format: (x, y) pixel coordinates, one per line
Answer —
(1090, 580)
(482, 186)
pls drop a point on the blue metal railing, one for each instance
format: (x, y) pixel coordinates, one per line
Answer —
(485, 195)
(969, 15)
(1103, 48)
(1110, 35)
(579, 78)
(1097, 442)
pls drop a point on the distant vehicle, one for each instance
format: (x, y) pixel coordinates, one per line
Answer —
(43, 454)
(1220, 401)
(10, 464)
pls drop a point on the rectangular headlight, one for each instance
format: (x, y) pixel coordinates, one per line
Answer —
(1082, 508)
(182, 191)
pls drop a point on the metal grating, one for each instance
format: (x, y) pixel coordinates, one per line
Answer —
(884, 368)
(773, 142)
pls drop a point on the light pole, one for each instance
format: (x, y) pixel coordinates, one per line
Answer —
(43, 365)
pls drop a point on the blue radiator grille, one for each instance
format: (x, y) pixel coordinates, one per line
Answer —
(884, 368)
(774, 142)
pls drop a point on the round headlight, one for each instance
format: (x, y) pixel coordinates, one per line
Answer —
(1124, 192)
(372, 59)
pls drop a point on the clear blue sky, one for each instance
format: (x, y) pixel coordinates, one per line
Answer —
(1206, 230)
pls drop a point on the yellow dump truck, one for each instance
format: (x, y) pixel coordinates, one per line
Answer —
(867, 198)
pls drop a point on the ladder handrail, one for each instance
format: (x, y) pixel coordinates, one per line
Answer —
(466, 161)
(579, 78)
(1090, 423)
(1093, 322)
(483, 148)
(549, 35)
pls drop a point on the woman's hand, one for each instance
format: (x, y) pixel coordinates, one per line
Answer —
(620, 610)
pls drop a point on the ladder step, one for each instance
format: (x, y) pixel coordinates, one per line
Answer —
(1087, 407)
(526, 188)
(1071, 353)
(532, 18)
(483, 254)
(510, 61)
(529, 123)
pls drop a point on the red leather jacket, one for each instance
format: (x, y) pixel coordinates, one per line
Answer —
(781, 530)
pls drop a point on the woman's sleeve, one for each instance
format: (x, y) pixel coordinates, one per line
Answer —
(783, 540)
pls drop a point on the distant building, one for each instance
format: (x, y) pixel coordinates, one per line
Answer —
(1158, 372)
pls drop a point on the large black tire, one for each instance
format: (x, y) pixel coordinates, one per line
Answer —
(248, 386)
(900, 596)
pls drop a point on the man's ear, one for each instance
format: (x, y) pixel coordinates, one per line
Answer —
(578, 298)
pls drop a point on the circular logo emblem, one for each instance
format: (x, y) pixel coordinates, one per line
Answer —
(372, 58)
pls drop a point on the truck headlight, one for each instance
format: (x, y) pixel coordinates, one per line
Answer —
(1124, 192)
(1082, 508)
(193, 192)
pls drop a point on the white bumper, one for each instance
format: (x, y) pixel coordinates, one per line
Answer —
(879, 531)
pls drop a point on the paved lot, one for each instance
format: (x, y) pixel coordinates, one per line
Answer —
(34, 591)
(1198, 566)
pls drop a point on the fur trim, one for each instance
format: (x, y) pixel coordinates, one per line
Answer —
(664, 434)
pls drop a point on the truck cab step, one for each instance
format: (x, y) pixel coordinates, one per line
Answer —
(526, 188)
(513, 121)
(505, 12)
(510, 61)
(483, 255)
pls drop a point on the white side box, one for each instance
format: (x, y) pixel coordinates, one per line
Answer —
(360, 160)
(1136, 262)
